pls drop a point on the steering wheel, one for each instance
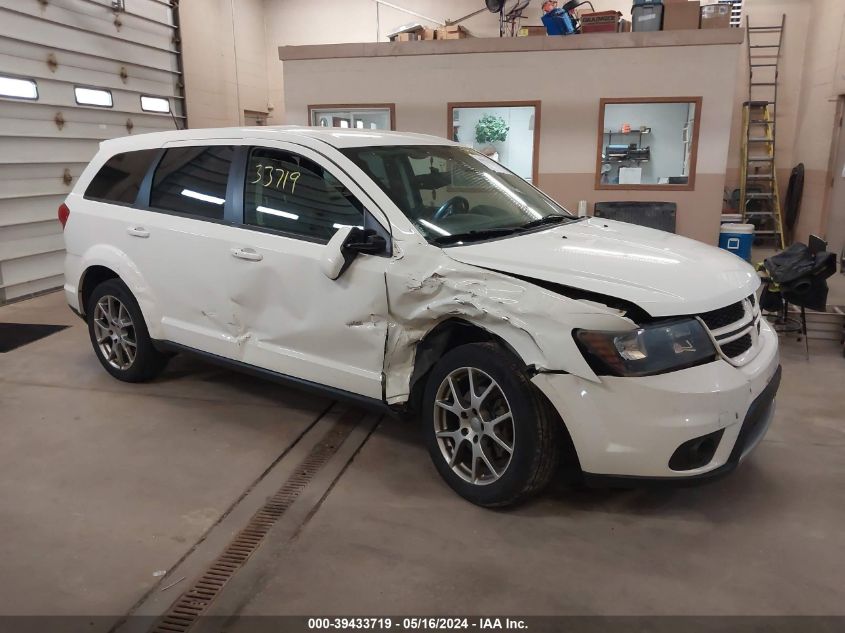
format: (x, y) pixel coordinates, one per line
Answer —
(455, 204)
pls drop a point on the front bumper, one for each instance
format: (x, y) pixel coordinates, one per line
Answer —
(630, 427)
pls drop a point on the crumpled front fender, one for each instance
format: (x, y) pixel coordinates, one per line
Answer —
(536, 322)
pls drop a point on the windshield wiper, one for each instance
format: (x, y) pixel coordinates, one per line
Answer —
(554, 218)
(478, 234)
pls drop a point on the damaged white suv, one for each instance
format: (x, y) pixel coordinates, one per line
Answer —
(413, 273)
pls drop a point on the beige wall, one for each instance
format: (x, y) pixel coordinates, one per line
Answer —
(812, 74)
(224, 59)
(823, 79)
(220, 90)
(421, 86)
(232, 65)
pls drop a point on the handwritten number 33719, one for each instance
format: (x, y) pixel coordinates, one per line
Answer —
(276, 178)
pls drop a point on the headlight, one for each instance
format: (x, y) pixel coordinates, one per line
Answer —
(653, 349)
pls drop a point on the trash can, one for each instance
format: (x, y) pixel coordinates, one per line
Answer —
(738, 239)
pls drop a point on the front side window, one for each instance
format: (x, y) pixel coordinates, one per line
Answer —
(287, 192)
(192, 181)
(119, 180)
(453, 194)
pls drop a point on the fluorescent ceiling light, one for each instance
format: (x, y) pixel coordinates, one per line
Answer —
(202, 196)
(281, 214)
(434, 227)
(343, 226)
(155, 104)
(18, 88)
(93, 96)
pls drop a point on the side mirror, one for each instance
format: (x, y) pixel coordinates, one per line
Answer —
(365, 241)
(346, 244)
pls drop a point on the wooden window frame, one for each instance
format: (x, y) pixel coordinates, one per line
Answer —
(690, 186)
(354, 106)
(535, 155)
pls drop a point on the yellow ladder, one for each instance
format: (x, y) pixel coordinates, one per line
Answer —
(759, 199)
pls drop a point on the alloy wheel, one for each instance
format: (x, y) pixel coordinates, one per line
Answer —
(114, 331)
(473, 425)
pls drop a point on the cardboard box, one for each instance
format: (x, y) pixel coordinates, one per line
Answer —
(600, 22)
(452, 32)
(716, 16)
(681, 14)
(406, 37)
(530, 31)
(624, 26)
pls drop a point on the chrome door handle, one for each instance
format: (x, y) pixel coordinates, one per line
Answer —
(247, 253)
(138, 231)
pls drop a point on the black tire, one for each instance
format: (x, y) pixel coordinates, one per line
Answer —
(147, 362)
(536, 433)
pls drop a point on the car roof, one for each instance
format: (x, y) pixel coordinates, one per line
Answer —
(336, 137)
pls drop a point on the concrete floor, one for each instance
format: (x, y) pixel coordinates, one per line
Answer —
(102, 484)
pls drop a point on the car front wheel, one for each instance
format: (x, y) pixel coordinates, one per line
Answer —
(491, 435)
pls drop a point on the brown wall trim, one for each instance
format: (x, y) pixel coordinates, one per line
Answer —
(585, 41)
(690, 186)
(354, 106)
(535, 155)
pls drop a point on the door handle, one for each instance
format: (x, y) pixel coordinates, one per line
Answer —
(247, 254)
(138, 231)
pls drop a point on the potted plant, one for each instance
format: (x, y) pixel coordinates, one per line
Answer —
(491, 129)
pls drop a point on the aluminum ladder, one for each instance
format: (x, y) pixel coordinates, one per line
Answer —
(759, 199)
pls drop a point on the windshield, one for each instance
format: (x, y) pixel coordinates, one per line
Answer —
(454, 194)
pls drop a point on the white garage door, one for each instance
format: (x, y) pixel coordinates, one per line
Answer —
(72, 73)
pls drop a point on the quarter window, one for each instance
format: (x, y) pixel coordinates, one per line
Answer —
(289, 193)
(192, 181)
(119, 180)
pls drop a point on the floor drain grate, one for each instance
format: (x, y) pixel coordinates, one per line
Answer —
(188, 608)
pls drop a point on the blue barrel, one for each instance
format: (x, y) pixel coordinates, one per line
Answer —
(738, 239)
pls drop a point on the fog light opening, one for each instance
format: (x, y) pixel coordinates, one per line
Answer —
(696, 452)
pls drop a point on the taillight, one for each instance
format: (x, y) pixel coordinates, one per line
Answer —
(64, 214)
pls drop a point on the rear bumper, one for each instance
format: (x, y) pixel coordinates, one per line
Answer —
(629, 428)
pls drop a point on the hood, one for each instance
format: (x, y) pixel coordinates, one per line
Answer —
(663, 273)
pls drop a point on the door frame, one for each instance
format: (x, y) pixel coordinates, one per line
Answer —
(830, 178)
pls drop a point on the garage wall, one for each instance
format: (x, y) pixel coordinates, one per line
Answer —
(45, 144)
(812, 75)
(421, 86)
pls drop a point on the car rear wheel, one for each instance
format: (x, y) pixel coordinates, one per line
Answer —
(490, 433)
(119, 334)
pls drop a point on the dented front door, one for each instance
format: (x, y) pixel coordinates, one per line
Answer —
(293, 319)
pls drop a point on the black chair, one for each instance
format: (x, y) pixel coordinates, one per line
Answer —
(797, 276)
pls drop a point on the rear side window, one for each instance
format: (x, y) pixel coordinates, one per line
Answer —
(290, 193)
(119, 180)
(192, 181)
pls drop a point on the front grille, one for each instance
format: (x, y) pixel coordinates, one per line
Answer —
(737, 347)
(716, 319)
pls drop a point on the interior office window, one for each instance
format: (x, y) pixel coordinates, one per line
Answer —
(648, 142)
(289, 193)
(192, 181)
(358, 117)
(119, 180)
(505, 133)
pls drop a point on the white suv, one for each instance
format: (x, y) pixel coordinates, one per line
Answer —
(413, 273)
